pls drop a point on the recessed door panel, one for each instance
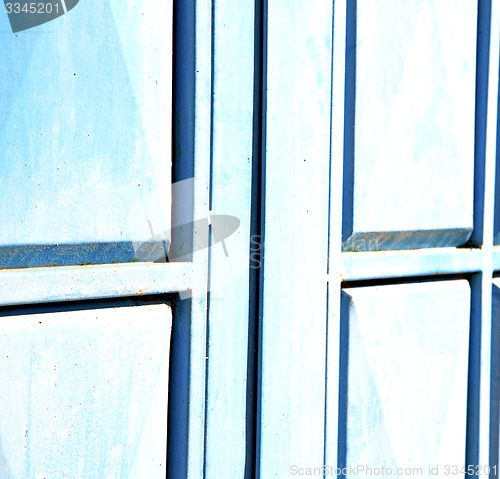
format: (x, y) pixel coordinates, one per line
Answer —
(404, 361)
(409, 125)
(85, 130)
(85, 393)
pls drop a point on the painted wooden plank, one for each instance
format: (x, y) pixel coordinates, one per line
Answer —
(404, 365)
(409, 133)
(297, 147)
(335, 265)
(485, 237)
(192, 147)
(484, 30)
(87, 393)
(233, 76)
(394, 264)
(495, 378)
(85, 150)
(72, 283)
(191, 169)
(197, 321)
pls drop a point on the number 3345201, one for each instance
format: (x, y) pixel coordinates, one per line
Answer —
(33, 7)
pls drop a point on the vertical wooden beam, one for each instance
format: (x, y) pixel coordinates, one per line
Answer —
(299, 40)
(335, 265)
(232, 130)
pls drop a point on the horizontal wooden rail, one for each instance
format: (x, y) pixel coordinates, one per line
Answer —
(70, 283)
(397, 264)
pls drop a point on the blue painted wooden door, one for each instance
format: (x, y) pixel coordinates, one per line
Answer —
(356, 143)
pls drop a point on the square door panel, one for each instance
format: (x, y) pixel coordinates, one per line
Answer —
(404, 361)
(85, 393)
(85, 135)
(409, 125)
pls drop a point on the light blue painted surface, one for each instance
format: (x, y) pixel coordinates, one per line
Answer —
(335, 263)
(420, 262)
(481, 357)
(296, 194)
(87, 393)
(193, 461)
(410, 92)
(495, 376)
(297, 146)
(396, 264)
(71, 283)
(186, 409)
(226, 416)
(404, 363)
(496, 258)
(85, 127)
